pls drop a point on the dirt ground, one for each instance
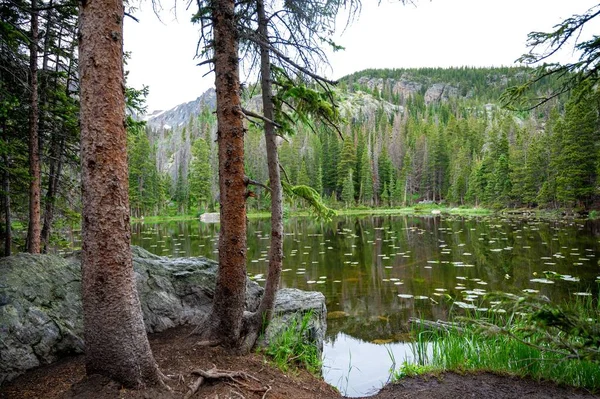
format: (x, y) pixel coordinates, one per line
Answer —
(177, 357)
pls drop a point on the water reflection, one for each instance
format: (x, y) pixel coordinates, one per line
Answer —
(381, 270)
(359, 368)
(376, 272)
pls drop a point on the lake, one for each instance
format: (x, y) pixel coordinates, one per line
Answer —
(377, 271)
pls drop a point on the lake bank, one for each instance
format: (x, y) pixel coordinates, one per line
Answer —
(176, 355)
(415, 210)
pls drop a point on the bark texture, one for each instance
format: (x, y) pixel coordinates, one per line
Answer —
(115, 337)
(265, 309)
(5, 196)
(226, 317)
(34, 228)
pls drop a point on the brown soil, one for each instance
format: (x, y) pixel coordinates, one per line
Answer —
(177, 356)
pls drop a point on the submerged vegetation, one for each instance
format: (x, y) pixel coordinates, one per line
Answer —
(522, 335)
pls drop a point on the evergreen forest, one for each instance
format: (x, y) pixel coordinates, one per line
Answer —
(407, 137)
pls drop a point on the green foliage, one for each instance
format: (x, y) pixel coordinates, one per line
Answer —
(293, 346)
(578, 156)
(411, 370)
(566, 76)
(312, 198)
(526, 336)
(146, 193)
(295, 102)
(200, 175)
(348, 189)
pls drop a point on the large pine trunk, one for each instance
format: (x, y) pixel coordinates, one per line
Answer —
(116, 341)
(34, 229)
(229, 301)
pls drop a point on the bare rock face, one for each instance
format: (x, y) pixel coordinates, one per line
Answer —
(41, 311)
(406, 88)
(440, 92)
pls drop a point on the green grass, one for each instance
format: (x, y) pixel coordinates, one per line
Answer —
(292, 347)
(470, 350)
(514, 344)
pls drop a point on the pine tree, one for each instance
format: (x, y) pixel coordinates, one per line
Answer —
(366, 181)
(578, 158)
(347, 160)
(199, 175)
(348, 189)
(303, 178)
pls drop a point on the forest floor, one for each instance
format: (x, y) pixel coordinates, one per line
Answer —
(178, 357)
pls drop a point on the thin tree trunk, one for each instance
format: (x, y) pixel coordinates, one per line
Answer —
(34, 229)
(115, 337)
(265, 309)
(6, 206)
(230, 291)
(56, 163)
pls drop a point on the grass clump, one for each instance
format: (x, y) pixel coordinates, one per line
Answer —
(294, 346)
(413, 370)
(530, 338)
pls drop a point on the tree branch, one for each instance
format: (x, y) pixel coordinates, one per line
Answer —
(247, 112)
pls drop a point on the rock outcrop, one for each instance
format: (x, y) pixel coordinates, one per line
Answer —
(41, 310)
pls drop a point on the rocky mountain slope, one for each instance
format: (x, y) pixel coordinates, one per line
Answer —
(180, 115)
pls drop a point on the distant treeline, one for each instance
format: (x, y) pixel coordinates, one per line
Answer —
(398, 149)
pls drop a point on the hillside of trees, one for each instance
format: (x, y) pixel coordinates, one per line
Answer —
(409, 136)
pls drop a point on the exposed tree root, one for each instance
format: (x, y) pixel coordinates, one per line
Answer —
(233, 376)
(194, 388)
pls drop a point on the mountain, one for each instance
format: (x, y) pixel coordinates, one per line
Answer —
(180, 115)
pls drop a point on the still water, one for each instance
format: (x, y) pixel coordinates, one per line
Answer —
(376, 272)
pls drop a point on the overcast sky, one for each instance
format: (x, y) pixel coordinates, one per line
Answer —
(436, 33)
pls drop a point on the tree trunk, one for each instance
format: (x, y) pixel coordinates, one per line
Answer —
(263, 316)
(56, 162)
(6, 206)
(115, 337)
(230, 292)
(34, 229)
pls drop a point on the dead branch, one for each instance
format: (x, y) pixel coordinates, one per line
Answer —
(248, 180)
(209, 61)
(247, 112)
